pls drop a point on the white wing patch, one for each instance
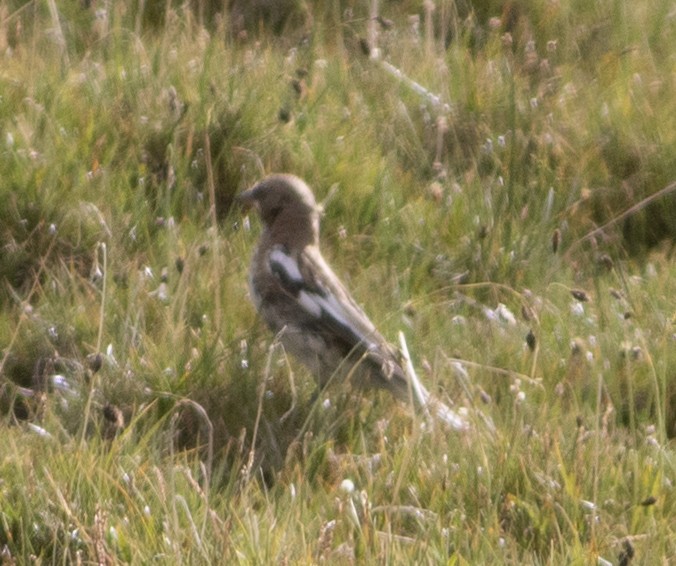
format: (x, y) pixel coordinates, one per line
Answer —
(310, 303)
(315, 303)
(286, 262)
(334, 309)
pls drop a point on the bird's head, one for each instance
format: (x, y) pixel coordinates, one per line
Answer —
(287, 208)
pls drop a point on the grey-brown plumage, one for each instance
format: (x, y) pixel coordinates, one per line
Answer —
(304, 302)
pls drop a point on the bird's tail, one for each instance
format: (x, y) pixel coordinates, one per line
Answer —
(423, 399)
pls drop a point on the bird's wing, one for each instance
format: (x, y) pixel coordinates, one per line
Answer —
(318, 292)
(314, 288)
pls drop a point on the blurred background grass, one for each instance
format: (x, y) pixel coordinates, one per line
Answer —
(514, 216)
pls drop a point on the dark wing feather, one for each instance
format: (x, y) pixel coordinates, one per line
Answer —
(318, 292)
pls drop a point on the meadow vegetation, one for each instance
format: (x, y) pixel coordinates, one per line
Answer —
(499, 183)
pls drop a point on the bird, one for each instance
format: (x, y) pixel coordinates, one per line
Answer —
(306, 305)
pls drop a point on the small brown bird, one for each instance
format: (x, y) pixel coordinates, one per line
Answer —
(303, 301)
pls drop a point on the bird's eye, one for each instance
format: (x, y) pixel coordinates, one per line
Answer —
(273, 213)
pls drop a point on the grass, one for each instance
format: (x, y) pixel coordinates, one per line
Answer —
(147, 414)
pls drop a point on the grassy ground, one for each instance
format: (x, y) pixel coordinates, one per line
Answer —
(513, 217)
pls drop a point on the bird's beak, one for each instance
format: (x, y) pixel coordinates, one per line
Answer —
(247, 198)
